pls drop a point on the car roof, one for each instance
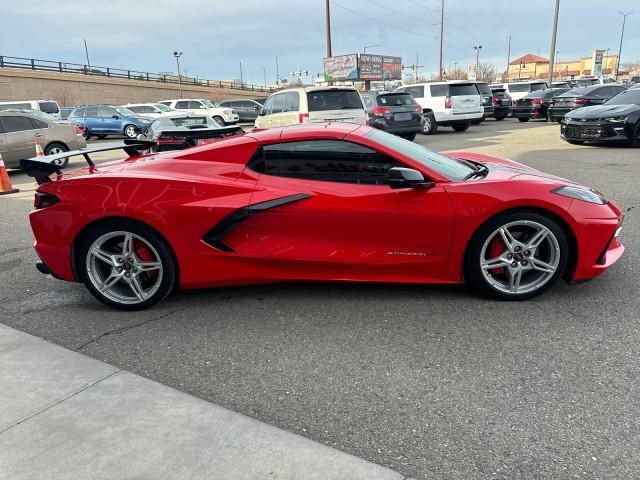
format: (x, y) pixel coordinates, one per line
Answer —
(13, 111)
(444, 82)
(335, 130)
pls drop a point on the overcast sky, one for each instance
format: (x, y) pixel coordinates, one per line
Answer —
(215, 35)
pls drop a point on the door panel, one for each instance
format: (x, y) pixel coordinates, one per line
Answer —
(350, 231)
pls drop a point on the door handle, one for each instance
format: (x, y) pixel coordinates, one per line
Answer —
(39, 135)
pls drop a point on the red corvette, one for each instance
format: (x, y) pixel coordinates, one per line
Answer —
(318, 202)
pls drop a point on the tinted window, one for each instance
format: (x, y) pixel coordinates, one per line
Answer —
(17, 124)
(18, 106)
(138, 109)
(79, 113)
(226, 104)
(327, 161)
(520, 87)
(458, 89)
(333, 100)
(416, 91)
(182, 104)
(628, 97)
(91, 112)
(195, 105)
(291, 102)
(484, 88)
(439, 90)
(106, 112)
(38, 123)
(395, 100)
(278, 103)
(268, 106)
(538, 86)
(49, 107)
(449, 167)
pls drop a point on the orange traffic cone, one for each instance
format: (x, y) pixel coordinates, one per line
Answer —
(5, 182)
(39, 151)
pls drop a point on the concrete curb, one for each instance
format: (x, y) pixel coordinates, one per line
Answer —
(64, 415)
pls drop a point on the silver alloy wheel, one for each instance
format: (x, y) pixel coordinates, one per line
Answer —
(426, 128)
(130, 131)
(56, 150)
(117, 271)
(529, 257)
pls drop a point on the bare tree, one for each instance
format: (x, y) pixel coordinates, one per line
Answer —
(457, 74)
(63, 94)
(631, 67)
(486, 72)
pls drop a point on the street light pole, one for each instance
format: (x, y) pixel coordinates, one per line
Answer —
(553, 43)
(364, 48)
(477, 48)
(178, 54)
(328, 26)
(277, 73)
(441, 39)
(624, 20)
(86, 51)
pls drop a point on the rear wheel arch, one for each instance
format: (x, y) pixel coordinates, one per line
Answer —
(562, 223)
(80, 236)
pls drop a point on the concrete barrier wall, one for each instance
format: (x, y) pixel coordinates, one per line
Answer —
(70, 89)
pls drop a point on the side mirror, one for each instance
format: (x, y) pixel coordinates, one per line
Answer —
(116, 117)
(262, 112)
(258, 108)
(400, 177)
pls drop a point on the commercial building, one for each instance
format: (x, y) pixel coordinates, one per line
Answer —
(530, 66)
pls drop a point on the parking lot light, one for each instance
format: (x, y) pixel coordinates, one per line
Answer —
(178, 54)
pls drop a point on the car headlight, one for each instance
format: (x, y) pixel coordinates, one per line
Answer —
(580, 193)
(616, 119)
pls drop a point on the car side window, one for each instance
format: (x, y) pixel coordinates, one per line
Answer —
(38, 123)
(182, 104)
(195, 105)
(278, 103)
(79, 113)
(415, 92)
(106, 112)
(368, 102)
(326, 161)
(17, 124)
(439, 90)
(291, 102)
(91, 112)
(268, 106)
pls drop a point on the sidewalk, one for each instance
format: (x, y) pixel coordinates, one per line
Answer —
(64, 415)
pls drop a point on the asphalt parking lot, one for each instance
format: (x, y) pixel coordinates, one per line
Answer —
(433, 382)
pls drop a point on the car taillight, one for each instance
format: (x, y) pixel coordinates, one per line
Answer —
(495, 100)
(167, 140)
(381, 112)
(303, 117)
(580, 101)
(44, 200)
(447, 102)
(536, 102)
(79, 131)
(418, 109)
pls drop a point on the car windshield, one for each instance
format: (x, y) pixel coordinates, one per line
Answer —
(627, 97)
(43, 116)
(576, 92)
(125, 112)
(209, 104)
(520, 87)
(538, 86)
(484, 88)
(447, 166)
(320, 100)
(162, 107)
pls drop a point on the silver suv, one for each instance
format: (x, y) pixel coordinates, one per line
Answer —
(19, 130)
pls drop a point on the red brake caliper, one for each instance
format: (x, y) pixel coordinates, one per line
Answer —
(497, 248)
(145, 255)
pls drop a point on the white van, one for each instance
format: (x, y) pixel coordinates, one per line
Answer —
(519, 90)
(454, 104)
(47, 106)
(312, 104)
(200, 106)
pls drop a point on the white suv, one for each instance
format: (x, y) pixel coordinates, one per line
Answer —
(150, 110)
(519, 90)
(454, 104)
(312, 104)
(224, 116)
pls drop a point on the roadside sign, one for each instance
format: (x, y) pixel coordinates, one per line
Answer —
(343, 67)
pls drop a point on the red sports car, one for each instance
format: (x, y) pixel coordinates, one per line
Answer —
(316, 202)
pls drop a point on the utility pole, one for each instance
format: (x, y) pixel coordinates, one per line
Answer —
(328, 25)
(277, 73)
(552, 53)
(477, 48)
(624, 20)
(441, 39)
(508, 57)
(416, 66)
(264, 74)
(241, 79)
(86, 52)
(178, 54)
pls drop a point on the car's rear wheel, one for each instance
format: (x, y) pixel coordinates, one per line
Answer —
(101, 136)
(461, 127)
(517, 255)
(130, 131)
(523, 119)
(56, 148)
(126, 265)
(500, 117)
(410, 136)
(429, 125)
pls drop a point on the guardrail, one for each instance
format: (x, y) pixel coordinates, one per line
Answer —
(66, 67)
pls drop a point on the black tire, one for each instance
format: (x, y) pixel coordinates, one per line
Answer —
(461, 127)
(220, 120)
(429, 125)
(129, 131)
(410, 136)
(55, 148)
(523, 119)
(576, 142)
(101, 137)
(635, 139)
(473, 270)
(165, 257)
(499, 118)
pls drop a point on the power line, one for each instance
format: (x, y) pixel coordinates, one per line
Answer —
(397, 12)
(435, 10)
(355, 12)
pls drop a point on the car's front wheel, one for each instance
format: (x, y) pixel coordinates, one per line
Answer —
(126, 265)
(523, 119)
(130, 131)
(517, 255)
(429, 124)
(635, 139)
(219, 120)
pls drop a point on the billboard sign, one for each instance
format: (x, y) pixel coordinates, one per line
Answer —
(472, 74)
(598, 56)
(343, 67)
(392, 68)
(370, 67)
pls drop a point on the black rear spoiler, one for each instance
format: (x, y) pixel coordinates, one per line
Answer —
(41, 167)
(204, 132)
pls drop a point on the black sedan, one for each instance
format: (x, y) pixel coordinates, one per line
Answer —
(582, 97)
(535, 104)
(395, 112)
(617, 120)
(502, 103)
